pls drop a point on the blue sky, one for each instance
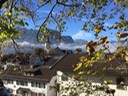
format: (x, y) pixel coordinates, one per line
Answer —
(74, 28)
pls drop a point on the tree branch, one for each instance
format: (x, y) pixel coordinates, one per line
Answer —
(69, 5)
(40, 6)
(13, 40)
(56, 21)
(16, 47)
(45, 21)
(2, 2)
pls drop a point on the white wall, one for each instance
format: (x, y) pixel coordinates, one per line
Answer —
(51, 91)
(15, 87)
(47, 90)
(95, 80)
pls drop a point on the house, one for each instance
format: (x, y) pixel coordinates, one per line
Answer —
(115, 72)
(57, 72)
(29, 80)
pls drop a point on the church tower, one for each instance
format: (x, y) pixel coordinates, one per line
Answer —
(47, 45)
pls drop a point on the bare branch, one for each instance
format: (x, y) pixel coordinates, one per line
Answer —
(56, 21)
(15, 3)
(45, 20)
(41, 6)
(15, 44)
(69, 5)
(16, 47)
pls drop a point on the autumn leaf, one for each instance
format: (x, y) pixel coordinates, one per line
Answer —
(98, 29)
(9, 14)
(99, 54)
(121, 35)
(103, 40)
(64, 1)
(83, 59)
(90, 47)
(78, 66)
(89, 72)
(81, 72)
(15, 69)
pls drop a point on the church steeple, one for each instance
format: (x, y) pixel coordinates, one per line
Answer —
(47, 45)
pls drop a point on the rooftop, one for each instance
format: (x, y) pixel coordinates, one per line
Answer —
(44, 73)
(17, 73)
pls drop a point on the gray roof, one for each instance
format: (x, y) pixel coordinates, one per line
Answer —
(17, 73)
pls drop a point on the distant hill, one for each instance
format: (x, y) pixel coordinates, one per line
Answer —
(28, 42)
(80, 42)
(29, 35)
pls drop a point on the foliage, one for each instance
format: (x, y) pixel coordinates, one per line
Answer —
(11, 16)
(76, 88)
(95, 13)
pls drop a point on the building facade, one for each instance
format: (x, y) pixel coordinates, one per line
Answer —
(29, 82)
(57, 74)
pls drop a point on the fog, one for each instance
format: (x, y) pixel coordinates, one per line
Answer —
(27, 47)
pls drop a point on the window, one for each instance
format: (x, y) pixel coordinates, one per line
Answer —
(28, 74)
(32, 74)
(24, 73)
(10, 81)
(42, 85)
(32, 84)
(120, 81)
(39, 85)
(18, 82)
(41, 94)
(23, 83)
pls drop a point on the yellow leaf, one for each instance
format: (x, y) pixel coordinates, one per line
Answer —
(9, 14)
(81, 72)
(98, 29)
(78, 66)
(83, 59)
(15, 69)
(89, 72)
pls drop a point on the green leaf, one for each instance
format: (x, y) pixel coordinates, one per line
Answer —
(78, 66)
(16, 9)
(89, 72)
(99, 54)
(41, 1)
